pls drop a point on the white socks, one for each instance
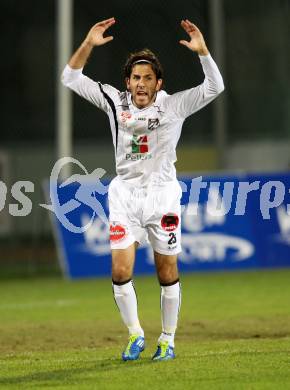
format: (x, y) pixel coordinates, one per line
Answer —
(170, 305)
(126, 300)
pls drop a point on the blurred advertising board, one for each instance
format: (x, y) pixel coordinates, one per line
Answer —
(228, 223)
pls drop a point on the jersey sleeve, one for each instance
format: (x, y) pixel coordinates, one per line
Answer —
(101, 95)
(186, 103)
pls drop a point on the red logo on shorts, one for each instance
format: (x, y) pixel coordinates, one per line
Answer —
(117, 232)
(169, 222)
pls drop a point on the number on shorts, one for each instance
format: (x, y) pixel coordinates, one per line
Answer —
(172, 239)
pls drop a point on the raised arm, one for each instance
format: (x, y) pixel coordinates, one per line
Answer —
(94, 38)
(72, 76)
(187, 102)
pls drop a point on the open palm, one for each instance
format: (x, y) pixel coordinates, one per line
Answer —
(96, 37)
(196, 42)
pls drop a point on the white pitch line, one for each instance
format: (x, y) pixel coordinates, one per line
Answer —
(32, 305)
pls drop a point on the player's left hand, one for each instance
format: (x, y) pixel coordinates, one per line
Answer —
(196, 42)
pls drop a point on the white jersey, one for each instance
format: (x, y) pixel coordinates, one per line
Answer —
(145, 139)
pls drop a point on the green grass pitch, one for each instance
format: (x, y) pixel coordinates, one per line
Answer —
(234, 333)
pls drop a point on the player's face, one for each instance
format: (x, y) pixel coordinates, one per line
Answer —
(143, 85)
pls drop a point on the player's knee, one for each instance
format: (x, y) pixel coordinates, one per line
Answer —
(167, 273)
(121, 273)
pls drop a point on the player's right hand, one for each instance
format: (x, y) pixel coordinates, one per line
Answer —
(95, 36)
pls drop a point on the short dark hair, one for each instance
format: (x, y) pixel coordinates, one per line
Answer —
(146, 55)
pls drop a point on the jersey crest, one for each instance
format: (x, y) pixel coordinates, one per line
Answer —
(153, 123)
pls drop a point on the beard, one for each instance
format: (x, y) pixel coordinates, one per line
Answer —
(145, 99)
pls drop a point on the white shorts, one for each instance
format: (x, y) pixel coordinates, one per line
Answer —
(142, 214)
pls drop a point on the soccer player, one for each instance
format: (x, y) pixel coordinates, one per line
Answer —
(144, 197)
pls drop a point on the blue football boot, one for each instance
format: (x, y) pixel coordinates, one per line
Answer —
(164, 352)
(135, 346)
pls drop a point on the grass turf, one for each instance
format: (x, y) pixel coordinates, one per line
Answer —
(234, 333)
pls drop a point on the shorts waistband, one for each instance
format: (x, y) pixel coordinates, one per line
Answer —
(151, 185)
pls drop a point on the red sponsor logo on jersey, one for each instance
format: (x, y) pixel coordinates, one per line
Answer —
(125, 115)
(117, 232)
(169, 222)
